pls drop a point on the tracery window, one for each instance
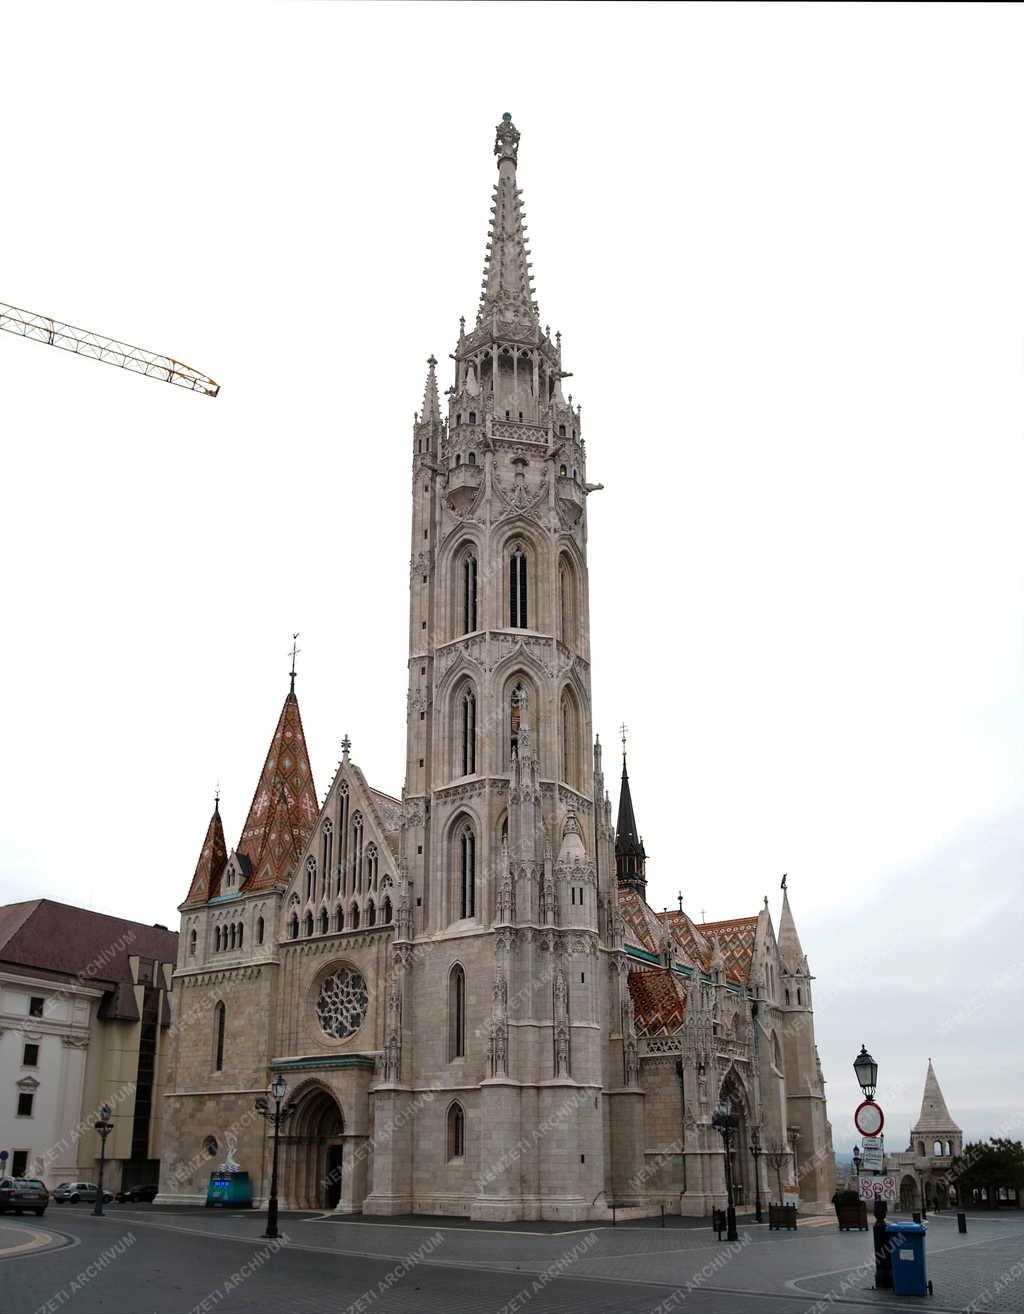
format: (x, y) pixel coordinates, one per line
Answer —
(466, 905)
(293, 927)
(385, 914)
(310, 876)
(517, 589)
(260, 930)
(323, 921)
(456, 1132)
(192, 944)
(339, 919)
(456, 1012)
(309, 923)
(219, 1019)
(342, 1003)
(327, 856)
(468, 736)
(357, 852)
(469, 594)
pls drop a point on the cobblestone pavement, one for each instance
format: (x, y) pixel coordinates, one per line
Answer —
(140, 1260)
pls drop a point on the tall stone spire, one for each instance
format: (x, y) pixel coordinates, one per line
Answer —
(630, 858)
(507, 290)
(935, 1116)
(212, 860)
(790, 950)
(284, 807)
(430, 412)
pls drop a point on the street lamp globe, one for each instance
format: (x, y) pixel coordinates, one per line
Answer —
(867, 1073)
(279, 1088)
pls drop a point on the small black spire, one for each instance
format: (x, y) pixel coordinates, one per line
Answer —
(630, 858)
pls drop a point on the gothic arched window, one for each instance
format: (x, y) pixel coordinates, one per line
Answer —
(231, 936)
(372, 866)
(517, 589)
(293, 927)
(218, 1056)
(310, 876)
(468, 732)
(469, 593)
(309, 923)
(191, 944)
(371, 914)
(260, 930)
(241, 933)
(456, 1012)
(567, 626)
(323, 921)
(456, 1132)
(342, 833)
(327, 855)
(339, 919)
(216, 939)
(353, 917)
(385, 912)
(467, 873)
(357, 852)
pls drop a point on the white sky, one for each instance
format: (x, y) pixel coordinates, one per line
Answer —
(784, 248)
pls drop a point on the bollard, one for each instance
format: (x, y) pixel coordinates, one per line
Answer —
(613, 1215)
(663, 1215)
(961, 1223)
(916, 1215)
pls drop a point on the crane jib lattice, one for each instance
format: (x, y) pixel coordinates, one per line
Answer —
(83, 343)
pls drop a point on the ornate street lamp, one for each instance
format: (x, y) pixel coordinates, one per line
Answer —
(867, 1076)
(276, 1117)
(726, 1123)
(755, 1150)
(867, 1073)
(856, 1161)
(104, 1126)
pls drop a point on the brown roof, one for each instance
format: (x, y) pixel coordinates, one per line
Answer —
(284, 807)
(736, 938)
(61, 940)
(658, 1001)
(213, 859)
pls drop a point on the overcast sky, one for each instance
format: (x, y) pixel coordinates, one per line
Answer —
(784, 249)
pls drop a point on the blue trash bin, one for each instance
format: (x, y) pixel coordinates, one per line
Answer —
(906, 1246)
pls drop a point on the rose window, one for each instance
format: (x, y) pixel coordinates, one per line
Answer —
(342, 1004)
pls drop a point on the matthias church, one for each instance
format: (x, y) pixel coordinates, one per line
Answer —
(476, 1010)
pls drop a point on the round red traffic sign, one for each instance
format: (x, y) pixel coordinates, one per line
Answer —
(869, 1118)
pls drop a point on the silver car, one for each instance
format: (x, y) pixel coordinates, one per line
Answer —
(75, 1191)
(23, 1195)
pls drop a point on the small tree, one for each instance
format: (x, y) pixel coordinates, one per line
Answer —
(776, 1155)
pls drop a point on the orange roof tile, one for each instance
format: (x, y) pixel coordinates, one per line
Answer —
(284, 807)
(213, 859)
(658, 1001)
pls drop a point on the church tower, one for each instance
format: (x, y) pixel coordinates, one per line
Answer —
(499, 899)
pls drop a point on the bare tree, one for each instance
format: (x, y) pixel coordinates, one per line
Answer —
(776, 1155)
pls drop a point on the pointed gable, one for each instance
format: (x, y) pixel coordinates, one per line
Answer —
(212, 860)
(790, 950)
(735, 942)
(284, 807)
(934, 1116)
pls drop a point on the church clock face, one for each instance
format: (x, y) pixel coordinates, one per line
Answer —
(341, 1006)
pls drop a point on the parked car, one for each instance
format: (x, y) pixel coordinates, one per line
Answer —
(75, 1191)
(139, 1194)
(23, 1193)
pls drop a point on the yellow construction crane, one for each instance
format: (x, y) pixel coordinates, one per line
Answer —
(84, 343)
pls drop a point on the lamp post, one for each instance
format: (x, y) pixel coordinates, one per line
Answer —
(104, 1126)
(866, 1070)
(755, 1150)
(726, 1123)
(276, 1116)
(856, 1163)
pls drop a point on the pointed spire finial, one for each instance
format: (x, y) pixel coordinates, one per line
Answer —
(346, 746)
(679, 896)
(506, 140)
(294, 653)
(784, 885)
(216, 807)
(623, 731)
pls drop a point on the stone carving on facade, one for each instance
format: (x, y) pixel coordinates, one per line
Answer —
(230, 1164)
(393, 1040)
(506, 909)
(560, 992)
(497, 1037)
(414, 812)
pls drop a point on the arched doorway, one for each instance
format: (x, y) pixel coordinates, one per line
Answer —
(315, 1148)
(733, 1095)
(908, 1194)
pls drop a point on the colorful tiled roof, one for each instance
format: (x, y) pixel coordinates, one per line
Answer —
(213, 858)
(658, 1001)
(643, 929)
(284, 807)
(736, 938)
